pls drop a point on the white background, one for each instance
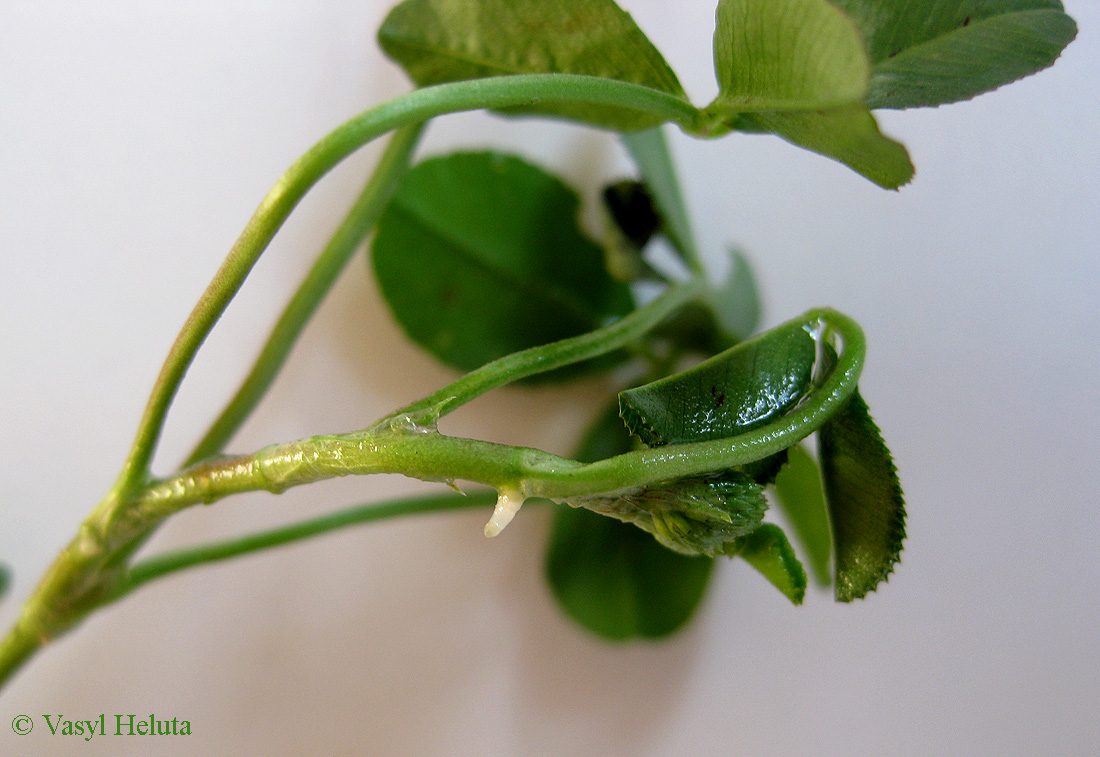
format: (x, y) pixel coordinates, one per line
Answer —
(136, 139)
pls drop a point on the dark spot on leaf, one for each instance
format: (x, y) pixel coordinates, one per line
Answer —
(893, 54)
(721, 400)
(448, 296)
(966, 21)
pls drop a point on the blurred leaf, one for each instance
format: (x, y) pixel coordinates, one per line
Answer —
(931, 52)
(799, 490)
(864, 497)
(617, 581)
(780, 55)
(611, 577)
(732, 392)
(849, 135)
(479, 256)
(5, 579)
(439, 41)
(736, 302)
(768, 550)
(726, 315)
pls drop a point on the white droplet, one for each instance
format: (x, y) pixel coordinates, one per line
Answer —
(508, 503)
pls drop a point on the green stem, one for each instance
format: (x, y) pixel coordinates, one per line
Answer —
(547, 357)
(162, 565)
(423, 453)
(332, 261)
(414, 107)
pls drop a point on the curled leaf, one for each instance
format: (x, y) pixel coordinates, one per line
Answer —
(768, 550)
(693, 516)
(865, 500)
(732, 392)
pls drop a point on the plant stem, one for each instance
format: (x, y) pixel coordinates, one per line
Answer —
(332, 261)
(162, 565)
(547, 357)
(88, 574)
(415, 107)
(424, 453)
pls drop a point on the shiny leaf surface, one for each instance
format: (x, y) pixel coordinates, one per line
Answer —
(732, 392)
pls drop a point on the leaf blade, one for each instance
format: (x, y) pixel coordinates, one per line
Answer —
(801, 496)
(933, 52)
(787, 55)
(617, 581)
(768, 550)
(970, 61)
(730, 393)
(439, 41)
(479, 255)
(848, 135)
(865, 501)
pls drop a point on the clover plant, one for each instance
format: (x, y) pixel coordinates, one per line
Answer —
(481, 260)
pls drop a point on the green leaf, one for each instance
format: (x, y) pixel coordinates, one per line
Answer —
(798, 68)
(611, 577)
(865, 500)
(787, 55)
(849, 135)
(736, 302)
(799, 490)
(931, 52)
(617, 581)
(768, 550)
(725, 315)
(732, 392)
(439, 41)
(479, 256)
